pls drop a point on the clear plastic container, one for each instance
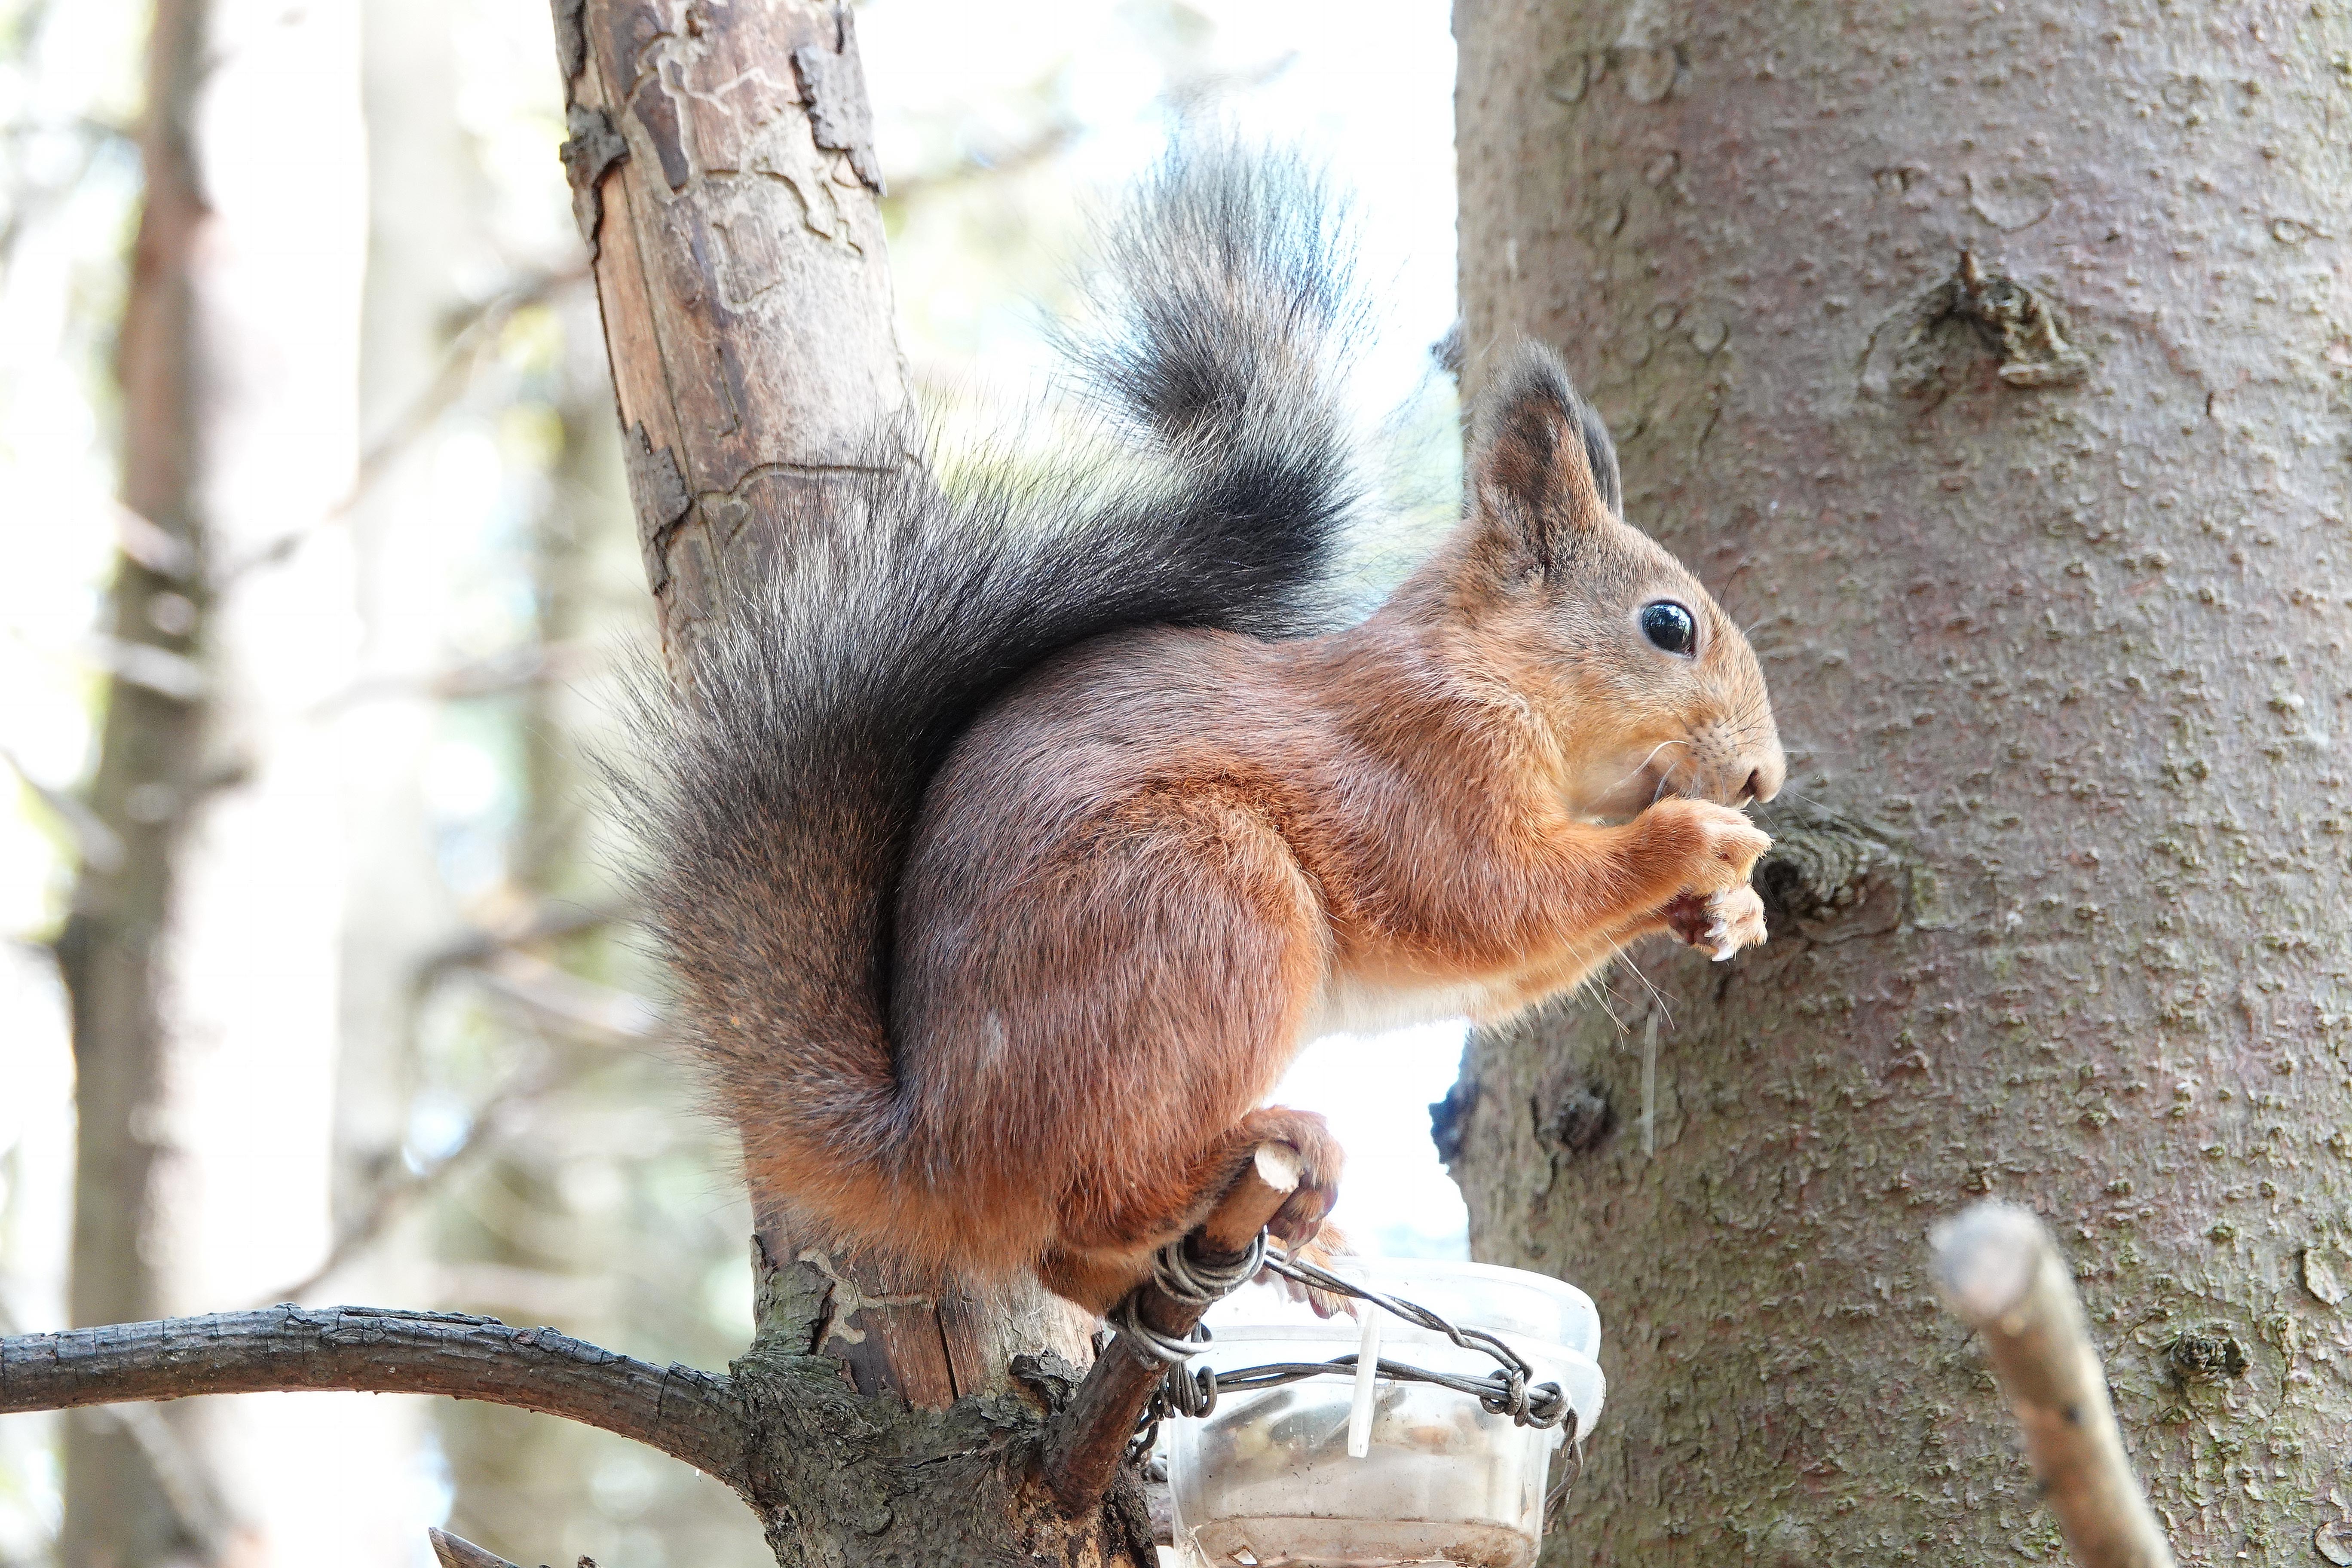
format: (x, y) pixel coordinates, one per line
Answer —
(1266, 1479)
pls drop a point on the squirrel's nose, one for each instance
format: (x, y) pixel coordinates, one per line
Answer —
(1764, 780)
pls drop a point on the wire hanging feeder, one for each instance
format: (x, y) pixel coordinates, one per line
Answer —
(1188, 1391)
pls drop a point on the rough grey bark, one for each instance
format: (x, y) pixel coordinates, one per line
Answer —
(1989, 359)
(724, 175)
(152, 754)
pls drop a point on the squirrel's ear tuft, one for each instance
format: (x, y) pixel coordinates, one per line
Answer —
(1546, 465)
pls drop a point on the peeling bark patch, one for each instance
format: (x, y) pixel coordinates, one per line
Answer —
(2333, 1541)
(833, 85)
(1924, 352)
(2319, 1278)
(571, 41)
(594, 151)
(653, 109)
(659, 489)
(630, 31)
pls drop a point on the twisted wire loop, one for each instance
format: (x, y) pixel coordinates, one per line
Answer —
(1506, 1391)
(1194, 1283)
(1183, 1390)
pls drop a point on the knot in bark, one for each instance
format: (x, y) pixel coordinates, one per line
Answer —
(1827, 879)
(2202, 1357)
(1931, 347)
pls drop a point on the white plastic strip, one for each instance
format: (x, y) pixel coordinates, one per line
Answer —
(1367, 1362)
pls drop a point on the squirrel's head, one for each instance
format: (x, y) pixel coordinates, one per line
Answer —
(1644, 685)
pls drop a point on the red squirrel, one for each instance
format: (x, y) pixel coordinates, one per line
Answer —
(1013, 839)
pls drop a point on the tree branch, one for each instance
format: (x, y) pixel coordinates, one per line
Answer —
(2005, 1277)
(1088, 1440)
(691, 1416)
(472, 342)
(457, 1552)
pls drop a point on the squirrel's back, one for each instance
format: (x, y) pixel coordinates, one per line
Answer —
(782, 787)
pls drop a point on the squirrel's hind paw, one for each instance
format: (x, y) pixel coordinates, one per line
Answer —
(1328, 1244)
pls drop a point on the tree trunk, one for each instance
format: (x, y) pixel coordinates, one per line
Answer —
(118, 1510)
(201, 961)
(724, 176)
(423, 221)
(1990, 359)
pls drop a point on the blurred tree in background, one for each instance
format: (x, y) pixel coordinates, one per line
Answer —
(323, 560)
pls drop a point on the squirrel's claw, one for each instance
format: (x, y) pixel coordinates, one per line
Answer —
(1735, 920)
(1328, 1244)
(1720, 924)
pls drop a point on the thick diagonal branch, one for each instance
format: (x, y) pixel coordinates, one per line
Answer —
(688, 1414)
(2003, 1275)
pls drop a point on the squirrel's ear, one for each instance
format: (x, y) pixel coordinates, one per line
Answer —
(1546, 465)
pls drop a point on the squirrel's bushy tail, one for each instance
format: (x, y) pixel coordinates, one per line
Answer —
(782, 787)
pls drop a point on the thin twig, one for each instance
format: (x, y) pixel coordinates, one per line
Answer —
(2002, 1275)
(393, 1198)
(548, 920)
(188, 1490)
(513, 669)
(604, 1014)
(96, 845)
(691, 1416)
(471, 344)
(907, 190)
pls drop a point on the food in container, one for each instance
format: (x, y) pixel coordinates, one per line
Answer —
(1265, 1480)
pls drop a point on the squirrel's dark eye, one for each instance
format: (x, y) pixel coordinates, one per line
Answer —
(1670, 626)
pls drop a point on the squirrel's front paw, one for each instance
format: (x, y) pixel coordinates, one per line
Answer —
(1717, 846)
(1721, 923)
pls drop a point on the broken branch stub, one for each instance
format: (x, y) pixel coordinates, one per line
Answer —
(457, 1552)
(2002, 1275)
(1089, 1437)
(1930, 348)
